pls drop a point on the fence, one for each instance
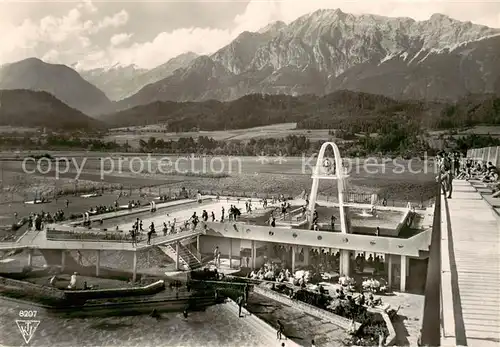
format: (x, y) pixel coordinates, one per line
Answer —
(151, 192)
(485, 154)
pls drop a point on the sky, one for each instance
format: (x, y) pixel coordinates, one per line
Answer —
(91, 34)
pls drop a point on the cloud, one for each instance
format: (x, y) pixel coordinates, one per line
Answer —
(115, 21)
(259, 13)
(58, 38)
(51, 56)
(119, 39)
(73, 36)
(88, 6)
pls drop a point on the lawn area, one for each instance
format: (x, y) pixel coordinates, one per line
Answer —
(134, 134)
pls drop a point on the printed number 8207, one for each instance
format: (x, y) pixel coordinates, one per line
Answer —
(27, 314)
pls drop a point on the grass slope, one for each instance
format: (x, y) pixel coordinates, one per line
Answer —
(25, 108)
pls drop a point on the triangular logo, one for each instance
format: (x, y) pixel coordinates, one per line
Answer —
(27, 328)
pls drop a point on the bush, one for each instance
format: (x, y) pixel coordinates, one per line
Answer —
(40, 156)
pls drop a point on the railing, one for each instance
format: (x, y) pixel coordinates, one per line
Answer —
(485, 154)
(97, 236)
(431, 322)
(110, 236)
(349, 197)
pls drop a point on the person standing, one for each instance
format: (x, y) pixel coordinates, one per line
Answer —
(213, 216)
(332, 222)
(239, 301)
(246, 291)
(194, 220)
(134, 236)
(216, 251)
(281, 331)
(448, 178)
(151, 232)
(80, 258)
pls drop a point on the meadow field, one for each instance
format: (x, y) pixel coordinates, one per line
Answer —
(134, 134)
(492, 130)
(398, 180)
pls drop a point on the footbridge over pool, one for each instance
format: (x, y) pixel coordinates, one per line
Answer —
(462, 303)
(55, 251)
(410, 247)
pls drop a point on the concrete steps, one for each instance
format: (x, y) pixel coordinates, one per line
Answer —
(192, 261)
(188, 260)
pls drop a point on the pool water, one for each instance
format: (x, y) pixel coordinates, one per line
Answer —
(382, 218)
(217, 326)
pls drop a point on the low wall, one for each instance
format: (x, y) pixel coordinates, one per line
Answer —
(82, 295)
(46, 293)
(36, 292)
(404, 221)
(329, 316)
(342, 322)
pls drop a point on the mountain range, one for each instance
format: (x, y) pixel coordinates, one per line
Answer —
(327, 50)
(319, 53)
(120, 82)
(59, 80)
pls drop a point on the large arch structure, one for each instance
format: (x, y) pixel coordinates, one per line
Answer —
(339, 175)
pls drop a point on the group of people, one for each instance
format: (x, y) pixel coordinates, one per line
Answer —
(453, 165)
(103, 209)
(171, 226)
(37, 219)
(376, 263)
(131, 204)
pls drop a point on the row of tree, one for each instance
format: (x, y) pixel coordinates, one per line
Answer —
(396, 140)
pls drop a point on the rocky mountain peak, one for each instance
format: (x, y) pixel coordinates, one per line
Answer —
(273, 27)
(328, 50)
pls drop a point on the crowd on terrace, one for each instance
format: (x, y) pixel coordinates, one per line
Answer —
(453, 165)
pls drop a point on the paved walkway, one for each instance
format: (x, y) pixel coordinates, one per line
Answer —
(471, 268)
